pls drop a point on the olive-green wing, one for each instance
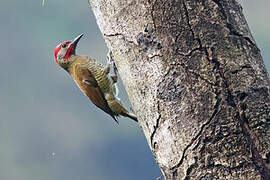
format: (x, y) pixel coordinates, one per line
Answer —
(89, 86)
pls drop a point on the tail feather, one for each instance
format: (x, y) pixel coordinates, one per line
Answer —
(131, 116)
(117, 109)
(115, 118)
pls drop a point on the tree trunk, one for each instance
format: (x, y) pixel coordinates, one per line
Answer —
(197, 83)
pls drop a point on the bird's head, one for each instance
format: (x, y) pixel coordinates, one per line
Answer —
(65, 50)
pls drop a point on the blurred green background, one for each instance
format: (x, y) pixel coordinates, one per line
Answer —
(48, 128)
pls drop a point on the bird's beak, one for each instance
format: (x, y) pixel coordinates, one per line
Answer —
(75, 42)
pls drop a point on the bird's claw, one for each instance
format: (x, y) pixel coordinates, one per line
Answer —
(110, 62)
(109, 57)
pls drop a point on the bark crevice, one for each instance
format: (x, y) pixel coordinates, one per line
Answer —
(230, 26)
(153, 144)
(117, 35)
(190, 26)
(216, 109)
(251, 138)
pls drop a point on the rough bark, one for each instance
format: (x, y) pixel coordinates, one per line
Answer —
(197, 83)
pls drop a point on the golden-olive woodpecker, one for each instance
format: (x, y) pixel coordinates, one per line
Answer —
(93, 79)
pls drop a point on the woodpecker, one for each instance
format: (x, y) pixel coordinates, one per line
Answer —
(94, 79)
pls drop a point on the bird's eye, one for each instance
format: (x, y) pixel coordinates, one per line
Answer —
(64, 45)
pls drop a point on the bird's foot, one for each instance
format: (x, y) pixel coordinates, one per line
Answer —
(110, 62)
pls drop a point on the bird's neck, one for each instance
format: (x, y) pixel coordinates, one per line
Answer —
(68, 63)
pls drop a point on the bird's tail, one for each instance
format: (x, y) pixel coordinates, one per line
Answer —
(131, 116)
(118, 109)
